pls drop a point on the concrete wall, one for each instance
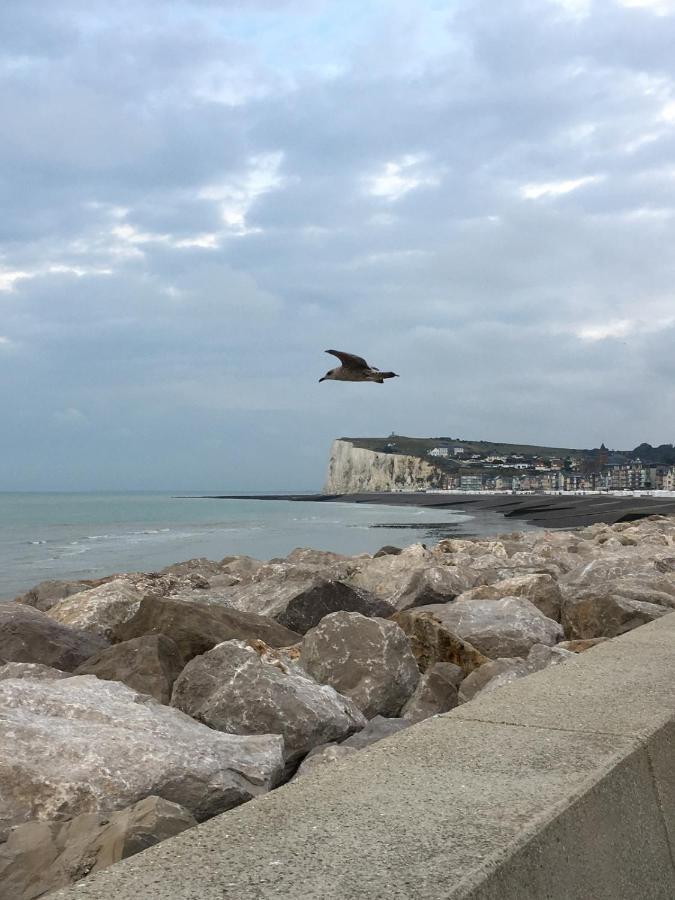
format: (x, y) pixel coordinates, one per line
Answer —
(560, 786)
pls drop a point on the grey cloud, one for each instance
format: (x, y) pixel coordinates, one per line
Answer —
(480, 296)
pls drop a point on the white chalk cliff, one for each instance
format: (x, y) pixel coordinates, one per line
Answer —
(353, 470)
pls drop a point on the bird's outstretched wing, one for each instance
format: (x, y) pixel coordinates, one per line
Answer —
(349, 361)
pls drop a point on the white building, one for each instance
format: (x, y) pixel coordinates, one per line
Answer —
(438, 451)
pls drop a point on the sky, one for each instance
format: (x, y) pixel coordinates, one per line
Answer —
(200, 197)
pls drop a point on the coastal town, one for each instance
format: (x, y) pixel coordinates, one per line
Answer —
(477, 466)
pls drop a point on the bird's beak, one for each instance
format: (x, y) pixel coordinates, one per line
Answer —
(321, 379)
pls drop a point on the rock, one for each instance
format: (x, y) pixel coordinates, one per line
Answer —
(435, 693)
(378, 728)
(431, 584)
(28, 635)
(300, 603)
(200, 566)
(84, 745)
(541, 656)
(45, 594)
(43, 856)
(431, 641)
(387, 550)
(366, 659)
(101, 610)
(318, 558)
(494, 674)
(149, 664)
(581, 646)
(241, 688)
(601, 613)
(36, 671)
(496, 628)
(321, 757)
(388, 575)
(197, 627)
(541, 590)
(242, 567)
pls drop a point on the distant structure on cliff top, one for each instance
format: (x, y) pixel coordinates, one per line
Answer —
(398, 463)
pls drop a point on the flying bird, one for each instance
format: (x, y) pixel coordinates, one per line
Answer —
(355, 368)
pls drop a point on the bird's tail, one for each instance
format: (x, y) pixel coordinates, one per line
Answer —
(387, 374)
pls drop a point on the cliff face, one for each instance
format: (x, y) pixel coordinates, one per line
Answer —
(353, 470)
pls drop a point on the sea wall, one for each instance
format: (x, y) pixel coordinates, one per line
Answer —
(559, 785)
(353, 470)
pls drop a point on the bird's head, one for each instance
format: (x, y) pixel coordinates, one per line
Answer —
(329, 376)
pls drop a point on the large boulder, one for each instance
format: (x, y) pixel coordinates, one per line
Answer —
(85, 745)
(376, 730)
(499, 672)
(301, 602)
(323, 757)
(28, 635)
(36, 671)
(431, 584)
(540, 589)
(600, 612)
(435, 693)
(432, 641)
(198, 566)
(494, 674)
(42, 856)
(505, 627)
(366, 659)
(101, 610)
(45, 594)
(245, 688)
(197, 627)
(149, 664)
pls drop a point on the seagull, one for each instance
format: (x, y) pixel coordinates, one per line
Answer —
(355, 368)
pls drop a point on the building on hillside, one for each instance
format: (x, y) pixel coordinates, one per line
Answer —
(438, 451)
(458, 451)
(471, 482)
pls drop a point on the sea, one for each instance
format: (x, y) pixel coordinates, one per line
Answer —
(91, 535)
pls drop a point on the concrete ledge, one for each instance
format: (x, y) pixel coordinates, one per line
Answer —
(558, 786)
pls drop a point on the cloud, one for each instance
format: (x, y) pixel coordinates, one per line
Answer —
(480, 196)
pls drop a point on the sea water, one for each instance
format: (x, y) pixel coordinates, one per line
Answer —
(87, 535)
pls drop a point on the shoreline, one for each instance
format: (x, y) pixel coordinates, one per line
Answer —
(563, 511)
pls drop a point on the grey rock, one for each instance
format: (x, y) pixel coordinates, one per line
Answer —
(431, 584)
(299, 603)
(197, 627)
(541, 590)
(42, 856)
(45, 594)
(366, 659)
(541, 657)
(242, 567)
(600, 612)
(377, 729)
(199, 566)
(384, 576)
(322, 757)
(433, 641)
(84, 745)
(36, 671)
(497, 628)
(435, 693)
(387, 550)
(101, 610)
(149, 664)
(241, 688)
(492, 675)
(28, 635)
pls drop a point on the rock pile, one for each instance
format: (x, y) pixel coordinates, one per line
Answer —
(140, 704)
